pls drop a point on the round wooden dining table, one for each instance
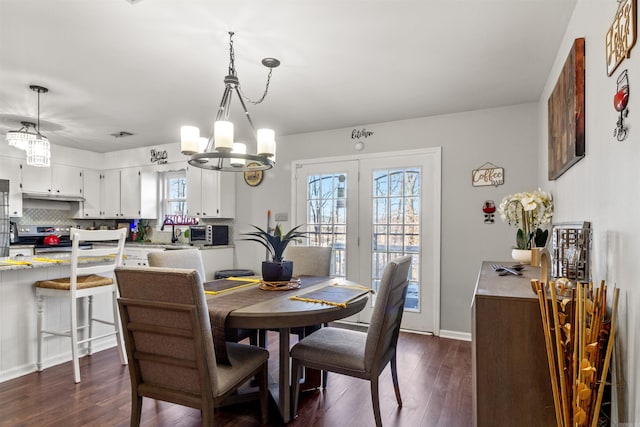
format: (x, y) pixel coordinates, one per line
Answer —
(281, 313)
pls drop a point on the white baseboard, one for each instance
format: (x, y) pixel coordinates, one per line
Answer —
(28, 368)
(455, 335)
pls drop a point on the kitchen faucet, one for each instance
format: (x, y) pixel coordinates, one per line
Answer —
(173, 228)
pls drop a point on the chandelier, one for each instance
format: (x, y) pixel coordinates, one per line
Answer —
(36, 145)
(219, 151)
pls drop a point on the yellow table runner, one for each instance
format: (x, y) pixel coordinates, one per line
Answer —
(335, 294)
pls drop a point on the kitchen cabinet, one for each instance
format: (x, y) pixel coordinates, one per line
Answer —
(137, 257)
(510, 373)
(92, 205)
(58, 180)
(10, 169)
(210, 194)
(129, 193)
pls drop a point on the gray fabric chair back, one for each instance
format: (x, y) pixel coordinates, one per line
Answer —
(167, 334)
(309, 260)
(384, 327)
(182, 258)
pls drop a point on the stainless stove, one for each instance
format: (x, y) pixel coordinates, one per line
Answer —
(35, 234)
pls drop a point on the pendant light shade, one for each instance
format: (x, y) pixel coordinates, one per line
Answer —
(36, 144)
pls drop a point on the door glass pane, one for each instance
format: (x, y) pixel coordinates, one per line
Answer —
(327, 217)
(396, 225)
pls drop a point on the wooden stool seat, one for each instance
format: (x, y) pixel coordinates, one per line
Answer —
(83, 282)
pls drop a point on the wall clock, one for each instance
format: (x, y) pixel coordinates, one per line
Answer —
(253, 178)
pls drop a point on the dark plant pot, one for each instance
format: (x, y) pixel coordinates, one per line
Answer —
(277, 271)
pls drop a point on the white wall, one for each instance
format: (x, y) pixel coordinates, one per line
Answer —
(506, 137)
(603, 188)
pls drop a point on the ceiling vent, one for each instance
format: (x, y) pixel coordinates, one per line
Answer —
(121, 134)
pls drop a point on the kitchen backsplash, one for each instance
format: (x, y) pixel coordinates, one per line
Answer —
(61, 216)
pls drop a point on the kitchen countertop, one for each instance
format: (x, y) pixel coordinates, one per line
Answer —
(43, 261)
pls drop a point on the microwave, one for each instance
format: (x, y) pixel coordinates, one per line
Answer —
(210, 235)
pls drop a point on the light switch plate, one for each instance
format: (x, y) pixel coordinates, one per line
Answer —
(281, 217)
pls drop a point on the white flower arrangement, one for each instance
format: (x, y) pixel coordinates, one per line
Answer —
(528, 211)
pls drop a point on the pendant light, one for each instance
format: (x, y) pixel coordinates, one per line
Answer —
(29, 138)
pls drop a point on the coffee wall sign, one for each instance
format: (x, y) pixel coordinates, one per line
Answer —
(621, 35)
(486, 175)
(159, 156)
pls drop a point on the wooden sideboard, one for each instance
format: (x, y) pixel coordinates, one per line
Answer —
(511, 385)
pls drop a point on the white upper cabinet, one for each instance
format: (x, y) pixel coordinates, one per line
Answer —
(92, 205)
(111, 193)
(129, 193)
(58, 180)
(10, 169)
(210, 194)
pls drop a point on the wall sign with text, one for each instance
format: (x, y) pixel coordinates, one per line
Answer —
(621, 35)
(486, 175)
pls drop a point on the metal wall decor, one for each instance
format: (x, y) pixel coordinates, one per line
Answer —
(621, 36)
(620, 103)
(571, 251)
(486, 175)
(489, 209)
(566, 114)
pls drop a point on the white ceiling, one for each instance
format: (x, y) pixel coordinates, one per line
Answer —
(154, 65)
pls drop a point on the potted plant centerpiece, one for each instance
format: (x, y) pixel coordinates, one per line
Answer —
(276, 270)
(528, 211)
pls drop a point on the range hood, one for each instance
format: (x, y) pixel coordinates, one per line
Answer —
(55, 197)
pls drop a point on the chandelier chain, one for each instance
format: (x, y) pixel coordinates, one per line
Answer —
(233, 72)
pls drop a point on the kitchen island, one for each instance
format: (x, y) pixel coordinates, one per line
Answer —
(18, 330)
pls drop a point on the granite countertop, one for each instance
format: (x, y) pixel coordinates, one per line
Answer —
(43, 261)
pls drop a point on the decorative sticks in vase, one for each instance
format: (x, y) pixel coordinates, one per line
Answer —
(579, 340)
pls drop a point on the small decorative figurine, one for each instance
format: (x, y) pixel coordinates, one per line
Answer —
(489, 209)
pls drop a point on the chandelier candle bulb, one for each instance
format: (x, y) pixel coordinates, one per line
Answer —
(238, 148)
(266, 142)
(223, 135)
(189, 140)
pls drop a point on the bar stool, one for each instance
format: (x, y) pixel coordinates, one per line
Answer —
(84, 281)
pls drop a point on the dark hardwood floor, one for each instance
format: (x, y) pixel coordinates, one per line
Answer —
(434, 375)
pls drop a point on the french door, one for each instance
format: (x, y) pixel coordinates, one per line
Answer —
(372, 209)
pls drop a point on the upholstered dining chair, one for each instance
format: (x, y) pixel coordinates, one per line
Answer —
(309, 260)
(168, 340)
(85, 281)
(192, 259)
(360, 354)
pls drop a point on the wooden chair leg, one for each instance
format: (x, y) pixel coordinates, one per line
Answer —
(263, 384)
(296, 372)
(394, 376)
(118, 326)
(40, 333)
(375, 400)
(207, 416)
(136, 408)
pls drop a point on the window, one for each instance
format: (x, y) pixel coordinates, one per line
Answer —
(174, 197)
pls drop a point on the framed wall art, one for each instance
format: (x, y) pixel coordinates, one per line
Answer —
(566, 114)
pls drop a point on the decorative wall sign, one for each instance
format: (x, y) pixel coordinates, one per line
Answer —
(566, 114)
(357, 135)
(489, 209)
(487, 174)
(159, 156)
(621, 35)
(620, 102)
(253, 178)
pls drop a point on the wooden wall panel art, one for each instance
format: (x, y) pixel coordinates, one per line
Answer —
(566, 114)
